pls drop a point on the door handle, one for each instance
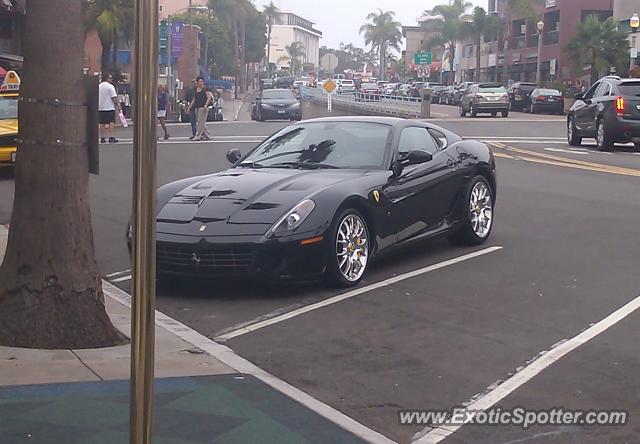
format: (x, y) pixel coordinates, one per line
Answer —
(451, 163)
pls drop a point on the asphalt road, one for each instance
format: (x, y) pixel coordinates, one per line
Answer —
(566, 225)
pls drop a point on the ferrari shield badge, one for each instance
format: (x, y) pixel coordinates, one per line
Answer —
(376, 196)
(202, 228)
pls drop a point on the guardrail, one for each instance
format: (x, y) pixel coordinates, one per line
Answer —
(367, 104)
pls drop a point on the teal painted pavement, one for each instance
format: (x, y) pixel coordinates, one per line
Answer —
(226, 409)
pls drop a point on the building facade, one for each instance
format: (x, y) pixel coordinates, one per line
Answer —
(416, 40)
(289, 28)
(171, 7)
(517, 58)
(11, 17)
(623, 10)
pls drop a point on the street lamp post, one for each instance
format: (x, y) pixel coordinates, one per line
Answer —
(540, 27)
(634, 23)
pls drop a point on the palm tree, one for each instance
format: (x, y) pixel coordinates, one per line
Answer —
(111, 19)
(382, 32)
(271, 13)
(451, 19)
(50, 287)
(481, 28)
(294, 52)
(598, 43)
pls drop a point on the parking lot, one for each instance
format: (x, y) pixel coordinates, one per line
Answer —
(434, 326)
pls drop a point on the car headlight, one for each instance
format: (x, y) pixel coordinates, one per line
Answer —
(295, 105)
(266, 105)
(293, 219)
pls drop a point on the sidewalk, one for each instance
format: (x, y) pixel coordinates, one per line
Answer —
(82, 396)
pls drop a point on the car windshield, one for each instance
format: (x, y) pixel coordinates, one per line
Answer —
(278, 94)
(526, 88)
(492, 89)
(8, 108)
(369, 86)
(630, 89)
(323, 144)
(549, 92)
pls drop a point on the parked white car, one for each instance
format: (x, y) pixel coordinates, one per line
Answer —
(346, 86)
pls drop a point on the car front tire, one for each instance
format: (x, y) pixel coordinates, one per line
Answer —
(476, 220)
(573, 136)
(348, 249)
(505, 114)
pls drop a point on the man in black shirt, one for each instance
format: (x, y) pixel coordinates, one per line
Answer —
(200, 103)
(188, 97)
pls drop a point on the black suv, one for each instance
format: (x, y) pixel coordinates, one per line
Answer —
(609, 111)
(520, 95)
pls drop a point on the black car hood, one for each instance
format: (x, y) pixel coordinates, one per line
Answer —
(243, 201)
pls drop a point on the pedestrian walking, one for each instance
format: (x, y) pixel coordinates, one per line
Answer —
(108, 105)
(188, 97)
(163, 100)
(201, 101)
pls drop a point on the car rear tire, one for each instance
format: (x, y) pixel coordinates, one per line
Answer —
(637, 146)
(494, 114)
(348, 249)
(476, 220)
(505, 113)
(603, 140)
(573, 136)
(463, 113)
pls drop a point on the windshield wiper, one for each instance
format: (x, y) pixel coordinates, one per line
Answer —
(251, 165)
(302, 165)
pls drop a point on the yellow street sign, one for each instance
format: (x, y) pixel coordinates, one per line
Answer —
(11, 82)
(329, 86)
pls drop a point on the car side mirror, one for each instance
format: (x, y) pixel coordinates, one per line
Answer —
(579, 96)
(416, 157)
(234, 155)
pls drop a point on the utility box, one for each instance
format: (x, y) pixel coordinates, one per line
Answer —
(425, 109)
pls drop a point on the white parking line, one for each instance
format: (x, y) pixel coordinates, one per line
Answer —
(541, 362)
(241, 365)
(350, 294)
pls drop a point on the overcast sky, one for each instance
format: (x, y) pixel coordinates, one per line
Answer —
(340, 20)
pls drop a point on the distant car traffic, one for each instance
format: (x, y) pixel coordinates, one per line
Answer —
(437, 94)
(520, 95)
(346, 86)
(266, 84)
(274, 104)
(322, 198)
(368, 92)
(284, 82)
(609, 111)
(489, 98)
(459, 92)
(546, 100)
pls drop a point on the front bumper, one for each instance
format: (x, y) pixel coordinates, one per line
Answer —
(240, 257)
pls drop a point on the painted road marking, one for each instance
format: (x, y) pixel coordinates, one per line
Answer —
(541, 362)
(565, 150)
(549, 159)
(118, 273)
(241, 365)
(350, 294)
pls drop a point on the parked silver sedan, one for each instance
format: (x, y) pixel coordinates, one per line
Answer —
(491, 98)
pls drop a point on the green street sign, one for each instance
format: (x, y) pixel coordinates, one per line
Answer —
(422, 58)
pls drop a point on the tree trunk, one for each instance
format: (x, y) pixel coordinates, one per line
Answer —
(105, 61)
(453, 62)
(243, 63)
(383, 65)
(478, 47)
(114, 54)
(236, 55)
(269, 52)
(50, 289)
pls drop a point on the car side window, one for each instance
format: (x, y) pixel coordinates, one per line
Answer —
(589, 94)
(602, 90)
(415, 138)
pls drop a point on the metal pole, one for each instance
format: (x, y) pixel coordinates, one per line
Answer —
(170, 68)
(192, 41)
(539, 58)
(144, 222)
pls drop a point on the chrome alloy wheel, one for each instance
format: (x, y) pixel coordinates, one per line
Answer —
(352, 247)
(570, 129)
(600, 135)
(481, 209)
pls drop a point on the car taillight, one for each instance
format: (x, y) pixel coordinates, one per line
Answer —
(540, 98)
(620, 106)
(504, 97)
